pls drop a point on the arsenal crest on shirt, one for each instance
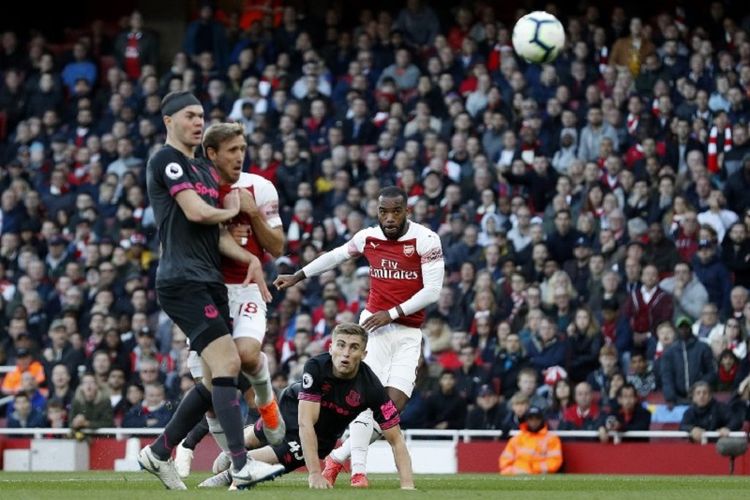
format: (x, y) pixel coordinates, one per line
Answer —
(408, 250)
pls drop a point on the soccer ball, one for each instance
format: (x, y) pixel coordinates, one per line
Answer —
(538, 37)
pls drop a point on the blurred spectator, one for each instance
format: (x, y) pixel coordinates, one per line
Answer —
(419, 23)
(31, 389)
(690, 296)
(445, 409)
(154, 411)
(25, 363)
(684, 363)
(206, 35)
(713, 273)
(630, 52)
(707, 414)
(728, 373)
(518, 406)
(708, 325)
(57, 415)
(79, 68)
(584, 414)
(116, 380)
(561, 398)
(487, 413)
(547, 348)
(91, 408)
(528, 384)
(641, 375)
(628, 415)
(735, 253)
(647, 306)
(135, 47)
(24, 415)
(584, 342)
(470, 376)
(601, 378)
(507, 364)
(62, 387)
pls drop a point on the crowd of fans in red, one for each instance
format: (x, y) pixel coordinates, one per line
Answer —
(594, 212)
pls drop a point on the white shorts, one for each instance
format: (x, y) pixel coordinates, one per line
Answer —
(248, 312)
(195, 365)
(393, 354)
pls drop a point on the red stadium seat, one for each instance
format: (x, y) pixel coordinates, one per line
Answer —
(655, 398)
(671, 426)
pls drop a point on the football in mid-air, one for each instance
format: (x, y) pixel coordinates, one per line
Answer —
(538, 37)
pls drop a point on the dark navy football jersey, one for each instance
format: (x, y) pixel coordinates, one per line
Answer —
(189, 251)
(341, 400)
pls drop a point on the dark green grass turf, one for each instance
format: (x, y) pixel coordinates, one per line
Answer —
(142, 486)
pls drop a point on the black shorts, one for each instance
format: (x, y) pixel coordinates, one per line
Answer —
(289, 453)
(201, 310)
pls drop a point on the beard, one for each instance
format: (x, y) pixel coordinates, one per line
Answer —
(400, 228)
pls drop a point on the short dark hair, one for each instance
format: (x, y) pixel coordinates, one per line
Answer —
(393, 192)
(350, 329)
(627, 385)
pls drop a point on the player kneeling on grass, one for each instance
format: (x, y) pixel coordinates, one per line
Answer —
(335, 388)
(534, 450)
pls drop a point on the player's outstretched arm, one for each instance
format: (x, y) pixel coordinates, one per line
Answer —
(198, 211)
(309, 411)
(323, 263)
(401, 456)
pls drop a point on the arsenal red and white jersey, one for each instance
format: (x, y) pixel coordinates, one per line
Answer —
(267, 199)
(396, 266)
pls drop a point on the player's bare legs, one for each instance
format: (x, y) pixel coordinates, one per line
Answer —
(255, 368)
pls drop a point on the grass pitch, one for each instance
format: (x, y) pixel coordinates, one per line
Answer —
(143, 486)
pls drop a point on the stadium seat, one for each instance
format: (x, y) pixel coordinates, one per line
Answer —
(666, 426)
(655, 398)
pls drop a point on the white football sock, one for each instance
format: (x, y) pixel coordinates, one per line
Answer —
(218, 433)
(360, 433)
(261, 382)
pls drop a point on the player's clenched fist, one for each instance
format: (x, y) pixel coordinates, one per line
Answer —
(284, 281)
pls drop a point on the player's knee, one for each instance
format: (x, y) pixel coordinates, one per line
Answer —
(250, 361)
(233, 365)
(250, 355)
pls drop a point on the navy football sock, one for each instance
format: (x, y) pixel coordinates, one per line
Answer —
(191, 410)
(225, 395)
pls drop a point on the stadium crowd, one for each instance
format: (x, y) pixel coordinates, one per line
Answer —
(594, 212)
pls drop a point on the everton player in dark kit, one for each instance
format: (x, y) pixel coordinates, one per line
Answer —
(335, 388)
(184, 193)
